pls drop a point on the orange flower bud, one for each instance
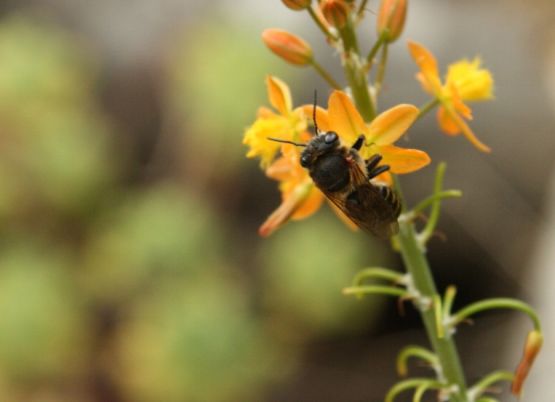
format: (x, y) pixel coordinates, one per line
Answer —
(532, 347)
(335, 12)
(297, 5)
(289, 47)
(391, 19)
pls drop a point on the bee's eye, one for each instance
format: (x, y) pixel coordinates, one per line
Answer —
(305, 160)
(330, 137)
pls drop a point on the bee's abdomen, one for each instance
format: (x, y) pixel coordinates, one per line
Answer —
(330, 172)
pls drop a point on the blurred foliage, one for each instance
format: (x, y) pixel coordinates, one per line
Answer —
(196, 342)
(53, 138)
(216, 85)
(161, 232)
(43, 331)
(306, 266)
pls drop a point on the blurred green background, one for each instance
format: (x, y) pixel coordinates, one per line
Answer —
(130, 267)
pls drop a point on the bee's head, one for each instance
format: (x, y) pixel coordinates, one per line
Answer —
(318, 146)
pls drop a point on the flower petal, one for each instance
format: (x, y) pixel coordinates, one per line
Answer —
(280, 169)
(265, 112)
(403, 160)
(256, 138)
(390, 125)
(446, 123)
(466, 130)
(322, 119)
(279, 95)
(286, 209)
(310, 205)
(459, 105)
(344, 118)
(427, 63)
(472, 82)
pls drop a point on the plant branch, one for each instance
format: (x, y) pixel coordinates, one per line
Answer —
(418, 352)
(496, 303)
(325, 75)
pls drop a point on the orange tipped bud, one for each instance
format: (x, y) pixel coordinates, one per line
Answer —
(335, 12)
(532, 347)
(391, 19)
(289, 47)
(297, 5)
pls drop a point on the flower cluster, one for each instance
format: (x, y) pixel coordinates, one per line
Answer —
(300, 198)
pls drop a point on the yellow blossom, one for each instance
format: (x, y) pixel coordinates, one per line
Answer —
(472, 82)
(286, 124)
(300, 198)
(465, 81)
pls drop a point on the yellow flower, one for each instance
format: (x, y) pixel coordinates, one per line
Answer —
(465, 81)
(287, 124)
(300, 197)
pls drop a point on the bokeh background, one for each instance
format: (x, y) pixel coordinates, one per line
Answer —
(130, 267)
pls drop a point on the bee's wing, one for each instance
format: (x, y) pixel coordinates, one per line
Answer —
(373, 208)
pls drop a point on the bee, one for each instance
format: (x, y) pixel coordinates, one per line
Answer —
(346, 180)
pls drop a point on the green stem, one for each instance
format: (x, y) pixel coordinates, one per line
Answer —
(480, 387)
(428, 230)
(354, 72)
(444, 347)
(415, 351)
(361, 9)
(373, 52)
(325, 75)
(422, 389)
(322, 27)
(380, 74)
(375, 289)
(425, 203)
(378, 273)
(448, 300)
(411, 383)
(496, 303)
(427, 107)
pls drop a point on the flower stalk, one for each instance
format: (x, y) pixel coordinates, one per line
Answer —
(355, 74)
(353, 118)
(411, 251)
(444, 347)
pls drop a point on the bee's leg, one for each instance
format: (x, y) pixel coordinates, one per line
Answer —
(377, 171)
(372, 166)
(372, 162)
(358, 143)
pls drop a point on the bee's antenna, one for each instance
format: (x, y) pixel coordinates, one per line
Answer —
(287, 142)
(314, 112)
